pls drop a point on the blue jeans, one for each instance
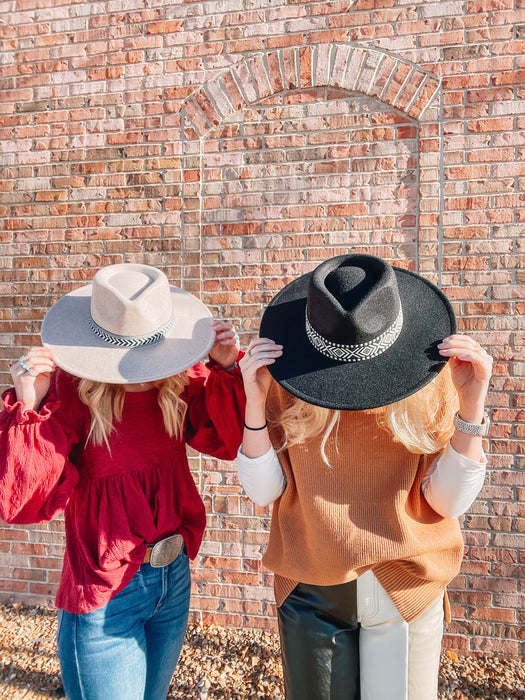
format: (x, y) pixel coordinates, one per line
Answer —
(128, 649)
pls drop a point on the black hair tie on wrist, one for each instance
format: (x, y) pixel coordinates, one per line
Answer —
(261, 428)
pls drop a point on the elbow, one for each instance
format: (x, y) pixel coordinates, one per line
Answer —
(456, 512)
(13, 517)
(5, 517)
(264, 503)
(450, 511)
(449, 514)
(259, 499)
(442, 506)
(263, 497)
(9, 508)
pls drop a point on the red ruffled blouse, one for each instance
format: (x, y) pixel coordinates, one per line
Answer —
(116, 500)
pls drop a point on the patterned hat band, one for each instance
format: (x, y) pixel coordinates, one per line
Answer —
(131, 341)
(359, 352)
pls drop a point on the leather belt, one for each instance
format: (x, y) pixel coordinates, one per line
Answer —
(164, 552)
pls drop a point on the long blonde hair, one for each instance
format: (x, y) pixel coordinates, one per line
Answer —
(423, 422)
(106, 401)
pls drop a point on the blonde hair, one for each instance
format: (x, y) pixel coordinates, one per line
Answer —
(106, 401)
(423, 422)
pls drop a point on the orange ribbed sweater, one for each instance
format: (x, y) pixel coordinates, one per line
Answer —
(366, 511)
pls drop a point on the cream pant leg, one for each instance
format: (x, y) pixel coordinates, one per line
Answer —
(398, 660)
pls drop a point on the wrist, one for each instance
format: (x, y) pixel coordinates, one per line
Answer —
(28, 403)
(256, 404)
(255, 413)
(227, 368)
(472, 413)
(255, 429)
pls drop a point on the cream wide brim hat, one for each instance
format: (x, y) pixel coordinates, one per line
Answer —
(129, 326)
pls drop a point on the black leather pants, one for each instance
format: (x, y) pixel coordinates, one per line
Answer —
(320, 642)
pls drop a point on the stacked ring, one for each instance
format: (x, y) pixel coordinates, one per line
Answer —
(23, 365)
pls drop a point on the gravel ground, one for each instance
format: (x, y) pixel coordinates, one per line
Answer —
(219, 664)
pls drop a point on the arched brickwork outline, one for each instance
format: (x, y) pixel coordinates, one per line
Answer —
(389, 79)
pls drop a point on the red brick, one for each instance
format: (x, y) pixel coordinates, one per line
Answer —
(94, 174)
(168, 27)
(495, 615)
(305, 66)
(10, 586)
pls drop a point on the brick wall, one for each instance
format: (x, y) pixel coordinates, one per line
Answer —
(236, 144)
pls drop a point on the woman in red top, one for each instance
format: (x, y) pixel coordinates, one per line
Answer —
(97, 425)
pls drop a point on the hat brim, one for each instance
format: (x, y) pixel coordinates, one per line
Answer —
(407, 366)
(80, 352)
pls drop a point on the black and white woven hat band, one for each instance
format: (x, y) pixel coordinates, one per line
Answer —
(360, 351)
(131, 341)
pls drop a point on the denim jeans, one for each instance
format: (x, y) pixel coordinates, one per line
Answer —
(128, 649)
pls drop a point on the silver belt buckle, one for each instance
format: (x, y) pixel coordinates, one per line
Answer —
(166, 551)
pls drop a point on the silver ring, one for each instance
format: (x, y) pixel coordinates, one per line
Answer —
(250, 352)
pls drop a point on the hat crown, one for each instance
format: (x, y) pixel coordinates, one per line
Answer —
(131, 300)
(353, 299)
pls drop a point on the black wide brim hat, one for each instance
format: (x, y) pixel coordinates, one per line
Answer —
(357, 340)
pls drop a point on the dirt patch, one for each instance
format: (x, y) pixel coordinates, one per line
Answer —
(219, 664)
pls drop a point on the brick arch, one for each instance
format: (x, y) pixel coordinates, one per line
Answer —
(390, 79)
(338, 69)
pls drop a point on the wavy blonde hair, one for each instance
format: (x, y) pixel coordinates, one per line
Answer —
(423, 422)
(106, 401)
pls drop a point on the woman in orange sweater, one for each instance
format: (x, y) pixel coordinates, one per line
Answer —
(369, 443)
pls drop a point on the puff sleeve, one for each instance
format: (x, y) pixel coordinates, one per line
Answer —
(36, 475)
(215, 416)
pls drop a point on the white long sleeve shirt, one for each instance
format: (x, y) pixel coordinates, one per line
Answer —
(450, 486)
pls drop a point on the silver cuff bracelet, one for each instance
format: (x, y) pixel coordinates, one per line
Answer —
(472, 428)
